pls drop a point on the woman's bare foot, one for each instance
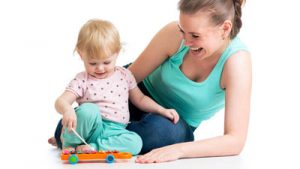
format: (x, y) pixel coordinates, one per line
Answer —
(52, 141)
(68, 150)
(85, 149)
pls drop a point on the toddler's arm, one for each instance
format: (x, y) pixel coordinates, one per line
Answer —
(63, 105)
(146, 104)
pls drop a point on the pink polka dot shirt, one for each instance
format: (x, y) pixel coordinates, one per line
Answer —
(110, 94)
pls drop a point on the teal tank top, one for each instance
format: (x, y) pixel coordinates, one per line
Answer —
(194, 101)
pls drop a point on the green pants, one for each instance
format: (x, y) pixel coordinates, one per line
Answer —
(101, 134)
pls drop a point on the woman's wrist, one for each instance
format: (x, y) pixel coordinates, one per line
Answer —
(181, 150)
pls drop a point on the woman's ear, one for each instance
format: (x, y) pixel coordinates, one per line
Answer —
(226, 28)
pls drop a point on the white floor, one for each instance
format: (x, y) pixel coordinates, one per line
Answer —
(49, 158)
(37, 39)
(203, 163)
(273, 149)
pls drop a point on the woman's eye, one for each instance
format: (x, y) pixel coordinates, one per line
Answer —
(195, 36)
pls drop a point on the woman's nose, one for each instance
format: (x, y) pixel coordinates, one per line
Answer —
(187, 42)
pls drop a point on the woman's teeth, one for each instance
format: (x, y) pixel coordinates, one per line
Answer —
(195, 49)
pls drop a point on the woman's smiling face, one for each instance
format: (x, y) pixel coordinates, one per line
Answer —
(200, 34)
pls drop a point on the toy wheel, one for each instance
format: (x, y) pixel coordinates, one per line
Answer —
(110, 158)
(73, 159)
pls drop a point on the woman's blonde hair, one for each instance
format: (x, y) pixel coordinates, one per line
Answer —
(98, 39)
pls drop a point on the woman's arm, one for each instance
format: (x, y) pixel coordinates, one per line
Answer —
(236, 80)
(164, 44)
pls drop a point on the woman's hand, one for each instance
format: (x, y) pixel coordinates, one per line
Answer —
(164, 154)
(170, 114)
(69, 120)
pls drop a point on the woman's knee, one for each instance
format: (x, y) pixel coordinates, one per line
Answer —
(163, 127)
(157, 131)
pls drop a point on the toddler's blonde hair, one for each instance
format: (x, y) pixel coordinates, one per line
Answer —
(98, 39)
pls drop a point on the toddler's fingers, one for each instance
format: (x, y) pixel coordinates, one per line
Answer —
(74, 125)
(63, 122)
(175, 116)
(70, 126)
(170, 116)
(176, 119)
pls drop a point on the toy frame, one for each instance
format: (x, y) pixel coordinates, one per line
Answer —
(108, 156)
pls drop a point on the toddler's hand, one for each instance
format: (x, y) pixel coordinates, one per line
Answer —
(69, 120)
(171, 114)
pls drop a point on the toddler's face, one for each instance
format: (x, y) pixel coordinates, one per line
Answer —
(100, 68)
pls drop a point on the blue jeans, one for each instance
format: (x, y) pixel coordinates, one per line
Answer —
(155, 130)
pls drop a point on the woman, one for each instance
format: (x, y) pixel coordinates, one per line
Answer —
(196, 66)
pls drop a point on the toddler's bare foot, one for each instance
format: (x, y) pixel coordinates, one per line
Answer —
(85, 149)
(68, 150)
(52, 141)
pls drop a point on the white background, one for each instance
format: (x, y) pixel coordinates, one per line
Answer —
(37, 39)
